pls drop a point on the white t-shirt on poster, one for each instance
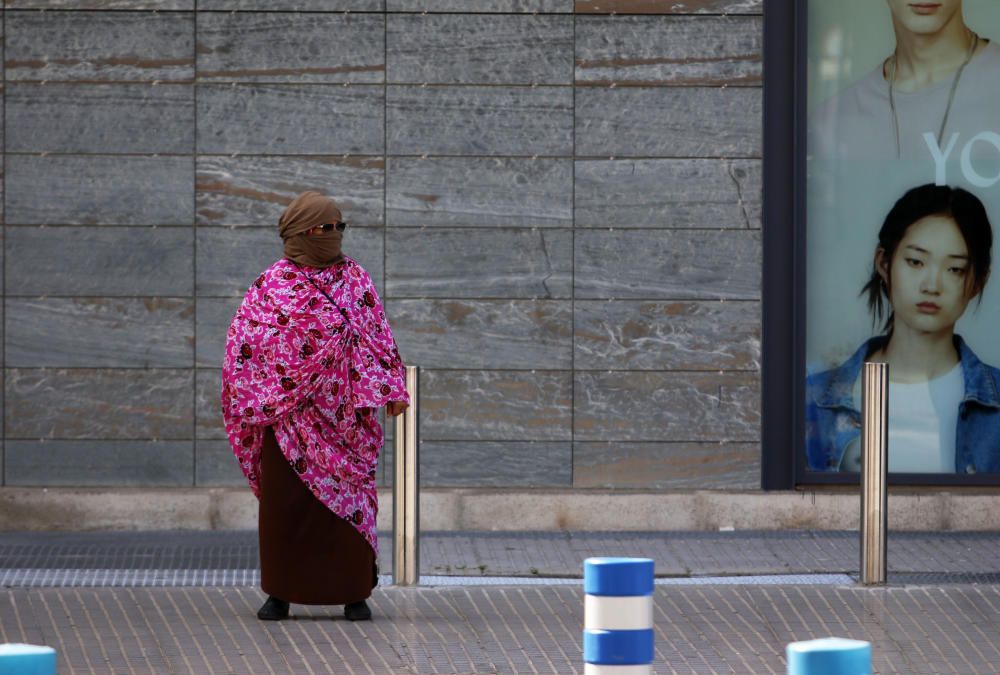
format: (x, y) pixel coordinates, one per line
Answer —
(922, 425)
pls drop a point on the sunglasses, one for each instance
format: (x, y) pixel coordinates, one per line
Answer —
(328, 227)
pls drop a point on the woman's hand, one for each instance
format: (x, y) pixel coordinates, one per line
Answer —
(393, 408)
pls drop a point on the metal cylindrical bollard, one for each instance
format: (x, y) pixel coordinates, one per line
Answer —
(874, 463)
(405, 490)
(618, 616)
(829, 656)
(22, 659)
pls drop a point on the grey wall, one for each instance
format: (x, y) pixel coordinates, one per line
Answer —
(559, 203)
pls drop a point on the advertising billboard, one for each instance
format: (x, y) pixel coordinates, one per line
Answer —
(896, 165)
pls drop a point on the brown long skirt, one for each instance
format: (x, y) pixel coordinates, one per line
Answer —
(308, 555)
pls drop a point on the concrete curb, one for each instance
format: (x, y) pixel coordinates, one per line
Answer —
(81, 509)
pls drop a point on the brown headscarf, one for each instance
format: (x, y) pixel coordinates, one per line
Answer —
(309, 210)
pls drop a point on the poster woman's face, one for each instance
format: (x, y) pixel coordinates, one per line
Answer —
(924, 17)
(929, 282)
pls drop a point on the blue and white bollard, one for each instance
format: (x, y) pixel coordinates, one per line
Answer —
(829, 656)
(618, 616)
(21, 659)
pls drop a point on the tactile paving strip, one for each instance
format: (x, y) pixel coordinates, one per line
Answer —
(124, 578)
(121, 578)
(527, 554)
(216, 550)
(939, 578)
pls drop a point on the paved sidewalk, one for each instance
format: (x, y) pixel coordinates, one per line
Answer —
(940, 614)
(490, 629)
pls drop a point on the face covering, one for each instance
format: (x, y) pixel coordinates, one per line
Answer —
(309, 210)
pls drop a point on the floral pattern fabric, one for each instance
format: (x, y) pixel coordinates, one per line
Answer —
(310, 354)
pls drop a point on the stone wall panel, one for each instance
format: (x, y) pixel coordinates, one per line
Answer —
(276, 119)
(215, 465)
(472, 6)
(496, 464)
(254, 191)
(669, 7)
(668, 193)
(496, 263)
(212, 319)
(646, 50)
(651, 335)
(665, 406)
(668, 122)
(241, 47)
(104, 463)
(470, 49)
(229, 259)
(484, 121)
(100, 261)
(102, 4)
(208, 404)
(100, 332)
(479, 192)
(100, 118)
(99, 46)
(109, 404)
(667, 466)
(513, 334)
(99, 190)
(294, 5)
(668, 264)
(483, 405)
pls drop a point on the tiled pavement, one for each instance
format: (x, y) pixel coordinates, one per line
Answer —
(490, 629)
(926, 627)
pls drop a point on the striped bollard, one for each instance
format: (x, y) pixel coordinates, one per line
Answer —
(618, 616)
(21, 659)
(829, 656)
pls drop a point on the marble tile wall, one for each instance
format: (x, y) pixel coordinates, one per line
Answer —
(558, 199)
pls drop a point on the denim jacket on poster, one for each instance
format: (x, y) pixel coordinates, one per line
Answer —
(833, 421)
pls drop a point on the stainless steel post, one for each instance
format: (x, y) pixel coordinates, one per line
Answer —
(405, 488)
(874, 462)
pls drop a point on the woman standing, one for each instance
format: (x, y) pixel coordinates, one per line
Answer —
(932, 260)
(309, 359)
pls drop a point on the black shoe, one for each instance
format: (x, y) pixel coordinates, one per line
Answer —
(273, 610)
(358, 611)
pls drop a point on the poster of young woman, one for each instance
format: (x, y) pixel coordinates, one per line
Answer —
(902, 207)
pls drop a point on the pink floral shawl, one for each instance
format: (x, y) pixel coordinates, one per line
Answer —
(310, 353)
